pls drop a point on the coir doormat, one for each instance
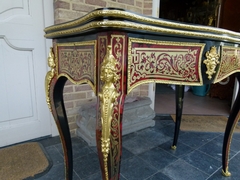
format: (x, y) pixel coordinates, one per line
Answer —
(23, 161)
(204, 123)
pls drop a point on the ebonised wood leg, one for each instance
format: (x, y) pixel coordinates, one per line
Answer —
(59, 114)
(231, 124)
(179, 107)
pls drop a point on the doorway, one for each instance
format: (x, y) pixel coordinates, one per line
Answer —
(165, 94)
(24, 114)
(193, 104)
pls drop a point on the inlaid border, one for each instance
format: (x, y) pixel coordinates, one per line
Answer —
(159, 78)
(229, 64)
(84, 43)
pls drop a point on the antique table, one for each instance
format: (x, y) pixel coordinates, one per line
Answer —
(114, 51)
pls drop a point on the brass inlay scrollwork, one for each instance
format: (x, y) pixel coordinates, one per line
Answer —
(102, 46)
(230, 62)
(163, 62)
(77, 62)
(211, 61)
(118, 42)
(107, 97)
(50, 74)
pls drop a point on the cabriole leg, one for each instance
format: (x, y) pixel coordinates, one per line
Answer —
(231, 124)
(59, 114)
(54, 96)
(179, 107)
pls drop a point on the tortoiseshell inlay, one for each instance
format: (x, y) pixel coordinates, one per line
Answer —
(165, 62)
(230, 62)
(77, 61)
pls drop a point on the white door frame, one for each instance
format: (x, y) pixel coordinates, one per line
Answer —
(49, 21)
(25, 113)
(152, 86)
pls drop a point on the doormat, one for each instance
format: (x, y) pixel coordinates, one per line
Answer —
(204, 123)
(23, 161)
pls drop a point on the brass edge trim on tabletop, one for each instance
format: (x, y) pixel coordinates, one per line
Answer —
(49, 76)
(138, 18)
(141, 27)
(145, 41)
(82, 43)
(216, 80)
(91, 43)
(107, 98)
(212, 61)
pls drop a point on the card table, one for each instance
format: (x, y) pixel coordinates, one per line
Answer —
(114, 51)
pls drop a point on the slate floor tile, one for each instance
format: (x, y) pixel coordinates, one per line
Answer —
(96, 176)
(196, 139)
(168, 130)
(157, 158)
(159, 176)
(235, 145)
(181, 170)
(55, 156)
(155, 137)
(57, 172)
(136, 169)
(236, 136)
(86, 165)
(50, 141)
(202, 161)
(126, 154)
(78, 149)
(214, 148)
(137, 145)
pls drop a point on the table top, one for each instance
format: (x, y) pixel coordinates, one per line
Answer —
(118, 19)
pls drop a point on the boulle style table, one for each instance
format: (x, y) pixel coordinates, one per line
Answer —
(114, 51)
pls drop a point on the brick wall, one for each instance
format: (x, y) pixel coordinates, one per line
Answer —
(66, 10)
